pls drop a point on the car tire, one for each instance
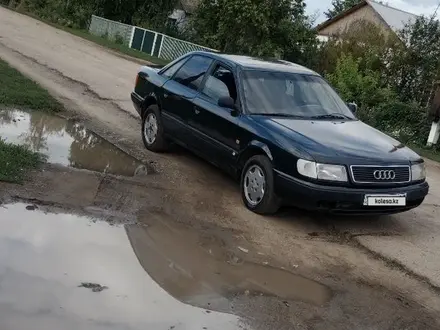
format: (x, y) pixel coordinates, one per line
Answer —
(152, 130)
(257, 186)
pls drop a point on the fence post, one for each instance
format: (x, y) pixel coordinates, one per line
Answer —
(154, 44)
(131, 37)
(161, 44)
(143, 39)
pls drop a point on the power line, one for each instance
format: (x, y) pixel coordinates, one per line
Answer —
(436, 9)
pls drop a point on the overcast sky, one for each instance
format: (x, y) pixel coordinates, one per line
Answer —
(426, 7)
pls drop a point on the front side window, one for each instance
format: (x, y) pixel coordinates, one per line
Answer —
(290, 94)
(220, 83)
(192, 72)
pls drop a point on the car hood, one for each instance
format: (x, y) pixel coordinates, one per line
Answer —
(353, 140)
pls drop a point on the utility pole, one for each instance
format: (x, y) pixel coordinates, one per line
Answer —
(434, 133)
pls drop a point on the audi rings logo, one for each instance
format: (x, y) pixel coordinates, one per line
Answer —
(384, 175)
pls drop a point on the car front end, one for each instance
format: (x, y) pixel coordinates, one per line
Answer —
(324, 158)
(354, 188)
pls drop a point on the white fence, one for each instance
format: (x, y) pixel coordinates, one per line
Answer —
(148, 41)
(110, 29)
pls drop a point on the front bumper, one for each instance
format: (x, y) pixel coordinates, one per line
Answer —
(349, 200)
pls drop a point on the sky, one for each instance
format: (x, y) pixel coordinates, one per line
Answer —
(419, 7)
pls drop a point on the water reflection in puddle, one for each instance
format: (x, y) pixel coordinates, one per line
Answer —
(45, 259)
(64, 142)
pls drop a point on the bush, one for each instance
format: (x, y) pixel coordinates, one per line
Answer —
(379, 106)
(353, 85)
(406, 122)
(119, 39)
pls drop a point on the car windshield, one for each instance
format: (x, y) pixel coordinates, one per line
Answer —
(292, 95)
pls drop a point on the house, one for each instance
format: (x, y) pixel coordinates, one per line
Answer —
(183, 10)
(388, 19)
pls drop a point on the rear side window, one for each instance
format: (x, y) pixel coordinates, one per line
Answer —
(192, 72)
(172, 69)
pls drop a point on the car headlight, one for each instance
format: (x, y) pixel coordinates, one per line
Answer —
(418, 172)
(322, 171)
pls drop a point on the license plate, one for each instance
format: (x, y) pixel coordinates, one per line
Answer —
(385, 200)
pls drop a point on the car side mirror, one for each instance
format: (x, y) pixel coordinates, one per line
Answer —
(228, 103)
(353, 107)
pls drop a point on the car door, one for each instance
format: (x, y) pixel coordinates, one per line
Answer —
(178, 93)
(216, 128)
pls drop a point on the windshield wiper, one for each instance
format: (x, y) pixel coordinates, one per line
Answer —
(332, 116)
(285, 115)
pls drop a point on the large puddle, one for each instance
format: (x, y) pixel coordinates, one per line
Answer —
(62, 271)
(65, 142)
(202, 270)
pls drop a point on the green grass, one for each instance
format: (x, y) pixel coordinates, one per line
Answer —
(15, 161)
(123, 49)
(18, 91)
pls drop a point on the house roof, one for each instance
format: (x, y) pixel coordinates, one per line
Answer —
(190, 6)
(395, 18)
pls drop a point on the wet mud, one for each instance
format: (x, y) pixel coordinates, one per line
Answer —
(95, 287)
(66, 143)
(204, 272)
(158, 249)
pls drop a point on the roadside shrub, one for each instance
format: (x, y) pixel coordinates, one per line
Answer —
(379, 106)
(406, 122)
(353, 85)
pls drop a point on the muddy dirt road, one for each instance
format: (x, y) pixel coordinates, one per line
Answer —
(359, 273)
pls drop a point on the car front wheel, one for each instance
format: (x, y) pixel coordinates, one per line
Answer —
(257, 186)
(152, 130)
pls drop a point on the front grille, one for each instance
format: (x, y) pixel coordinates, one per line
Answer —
(392, 174)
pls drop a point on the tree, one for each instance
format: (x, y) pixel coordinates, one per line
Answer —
(339, 6)
(267, 28)
(154, 14)
(362, 40)
(77, 13)
(413, 67)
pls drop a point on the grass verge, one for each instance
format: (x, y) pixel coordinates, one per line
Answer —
(16, 90)
(19, 91)
(120, 48)
(432, 154)
(15, 161)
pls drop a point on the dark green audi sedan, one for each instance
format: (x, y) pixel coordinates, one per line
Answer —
(281, 129)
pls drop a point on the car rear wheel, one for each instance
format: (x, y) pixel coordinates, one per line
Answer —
(257, 186)
(152, 130)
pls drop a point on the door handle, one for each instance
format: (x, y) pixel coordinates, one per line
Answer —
(172, 96)
(196, 110)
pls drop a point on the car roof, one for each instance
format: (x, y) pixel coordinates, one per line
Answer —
(254, 63)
